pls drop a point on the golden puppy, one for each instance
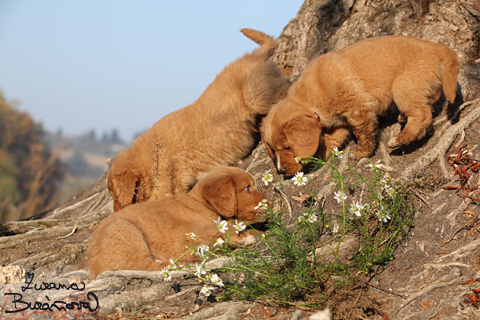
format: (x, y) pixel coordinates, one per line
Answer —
(145, 236)
(217, 129)
(346, 90)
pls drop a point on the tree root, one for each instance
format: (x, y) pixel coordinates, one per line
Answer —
(453, 215)
(461, 252)
(445, 142)
(448, 280)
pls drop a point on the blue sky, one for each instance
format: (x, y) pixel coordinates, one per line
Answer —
(104, 64)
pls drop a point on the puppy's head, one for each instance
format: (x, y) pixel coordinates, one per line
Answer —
(231, 193)
(290, 131)
(125, 183)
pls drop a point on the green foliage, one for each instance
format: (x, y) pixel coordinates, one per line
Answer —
(285, 265)
(300, 263)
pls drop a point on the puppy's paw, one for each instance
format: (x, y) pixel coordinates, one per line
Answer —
(402, 118)
(394, 143)
(248, 239)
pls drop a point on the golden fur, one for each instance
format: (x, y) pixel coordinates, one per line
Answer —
(217, 129)
(145, 236)
(346, 90)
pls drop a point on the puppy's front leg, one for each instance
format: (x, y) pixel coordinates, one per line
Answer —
(335, 138)
(364, 126)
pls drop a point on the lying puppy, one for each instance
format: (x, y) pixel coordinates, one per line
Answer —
(346, 90)
(145, 236)
(217, 129)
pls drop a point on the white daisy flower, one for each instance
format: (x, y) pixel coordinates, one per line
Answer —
(335, 228)
(191, 236)
(201, 250)
(339, 196)
(376, 165)
(384, 184)
(356, 208)
(312, 218)
(383, 215)
(166, 275)
(262, 205)
(302, 217)
(219, 242)
(299, 179)
(267, 177)
(172, 265)
(206, 291)
(239, 227)
(221, 225)
(337, 153)
(216, 280)
(199, 270)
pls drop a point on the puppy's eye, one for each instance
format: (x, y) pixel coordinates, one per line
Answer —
(287, 148)
(248, 188)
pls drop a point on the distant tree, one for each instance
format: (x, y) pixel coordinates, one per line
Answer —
(77, 164)
(92, 136)
(115, 137)
(112, 138)
(29, 172)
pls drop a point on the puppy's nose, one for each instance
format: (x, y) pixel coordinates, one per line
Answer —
(281, 170)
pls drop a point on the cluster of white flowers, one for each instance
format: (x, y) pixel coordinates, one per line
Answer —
(299, 179)
(308, 217)
(340, 196)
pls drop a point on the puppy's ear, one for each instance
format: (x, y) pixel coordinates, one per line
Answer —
(122, 188)
(303, 135)
(221, 195)
(269, 150)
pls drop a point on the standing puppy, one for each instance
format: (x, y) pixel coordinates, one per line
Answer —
(348, 89)
(145, 236)
(217, 129)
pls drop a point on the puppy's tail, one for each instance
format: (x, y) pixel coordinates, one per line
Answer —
(450, 71)
(267, 43)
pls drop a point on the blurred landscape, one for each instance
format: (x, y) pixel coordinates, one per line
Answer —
(41, 169)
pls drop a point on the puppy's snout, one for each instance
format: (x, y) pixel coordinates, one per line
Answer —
(281, 170)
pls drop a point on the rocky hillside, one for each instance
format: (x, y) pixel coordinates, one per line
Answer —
(429, 274)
